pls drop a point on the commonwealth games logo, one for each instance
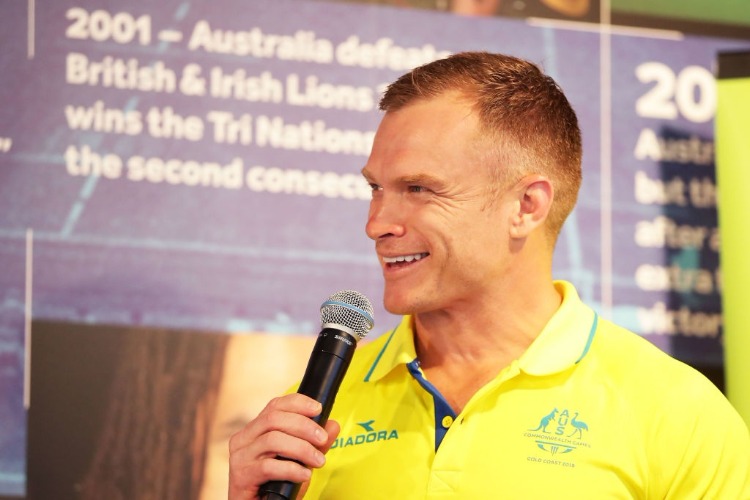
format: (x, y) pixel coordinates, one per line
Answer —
(559, 433)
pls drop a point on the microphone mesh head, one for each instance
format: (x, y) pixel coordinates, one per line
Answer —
(350, 310)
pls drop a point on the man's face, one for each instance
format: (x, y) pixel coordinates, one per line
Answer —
(439, 239)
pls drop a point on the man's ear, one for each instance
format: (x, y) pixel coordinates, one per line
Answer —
(535, 194)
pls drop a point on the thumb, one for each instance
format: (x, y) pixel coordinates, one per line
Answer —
(333, 428)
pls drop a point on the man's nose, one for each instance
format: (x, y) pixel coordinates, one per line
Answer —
(386, 218)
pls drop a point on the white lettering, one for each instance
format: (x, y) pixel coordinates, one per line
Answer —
(189, 173)
(664, 232)
(307, 183)
(303, 46)
(663, 321)
(311, 136)
(312, 92)
(119, 73)
(654, 278)
(692, 150)
(383, 53)
(659, 192)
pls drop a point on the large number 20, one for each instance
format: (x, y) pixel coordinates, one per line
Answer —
(691, 93)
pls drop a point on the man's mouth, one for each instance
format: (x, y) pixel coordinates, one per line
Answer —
(404, 259)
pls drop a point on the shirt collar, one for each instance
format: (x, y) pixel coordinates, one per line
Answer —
(566, 337)
(398, 349)
(563, 342)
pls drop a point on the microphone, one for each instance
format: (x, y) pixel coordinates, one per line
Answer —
(346, 317)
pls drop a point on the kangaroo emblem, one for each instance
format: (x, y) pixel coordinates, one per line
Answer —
(579, 426)
(544, 422)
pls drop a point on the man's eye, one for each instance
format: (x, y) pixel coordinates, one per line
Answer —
(416, 189)
(374, 186)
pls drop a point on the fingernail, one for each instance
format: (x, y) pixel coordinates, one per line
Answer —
(320, 459)
(320, 435)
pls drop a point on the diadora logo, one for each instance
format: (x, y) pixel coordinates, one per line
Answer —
(367, 425)
(559, 433)
(369, 435)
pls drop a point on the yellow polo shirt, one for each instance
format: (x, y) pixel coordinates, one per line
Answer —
(590, 410)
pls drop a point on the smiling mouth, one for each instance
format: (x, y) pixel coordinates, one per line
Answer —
(403, 260)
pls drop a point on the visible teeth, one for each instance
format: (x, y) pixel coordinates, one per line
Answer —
(404, 258)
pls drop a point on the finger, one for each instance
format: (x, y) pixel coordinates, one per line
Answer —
(248, 470)
(333, 429)
(294, 424)
(245, 485)
(278, 444)
(295, 403)
(268, 469)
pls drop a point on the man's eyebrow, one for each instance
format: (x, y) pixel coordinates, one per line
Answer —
(420, 179)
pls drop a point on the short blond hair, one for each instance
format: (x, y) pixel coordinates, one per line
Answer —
(527, 123)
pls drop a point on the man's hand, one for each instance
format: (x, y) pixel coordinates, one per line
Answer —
(283, 428)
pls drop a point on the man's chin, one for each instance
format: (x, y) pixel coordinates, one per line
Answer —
(396, 304)
(401, 303)
(396, 308)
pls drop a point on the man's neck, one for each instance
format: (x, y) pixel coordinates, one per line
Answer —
(462, 348)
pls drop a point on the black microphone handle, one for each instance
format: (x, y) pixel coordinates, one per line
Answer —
(325, 371)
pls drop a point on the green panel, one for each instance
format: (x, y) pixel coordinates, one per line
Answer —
(719, 11)
(733, 179)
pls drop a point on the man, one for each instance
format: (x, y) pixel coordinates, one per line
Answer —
(499, 382)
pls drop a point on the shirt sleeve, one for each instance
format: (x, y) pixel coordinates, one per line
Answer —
(700, 446)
